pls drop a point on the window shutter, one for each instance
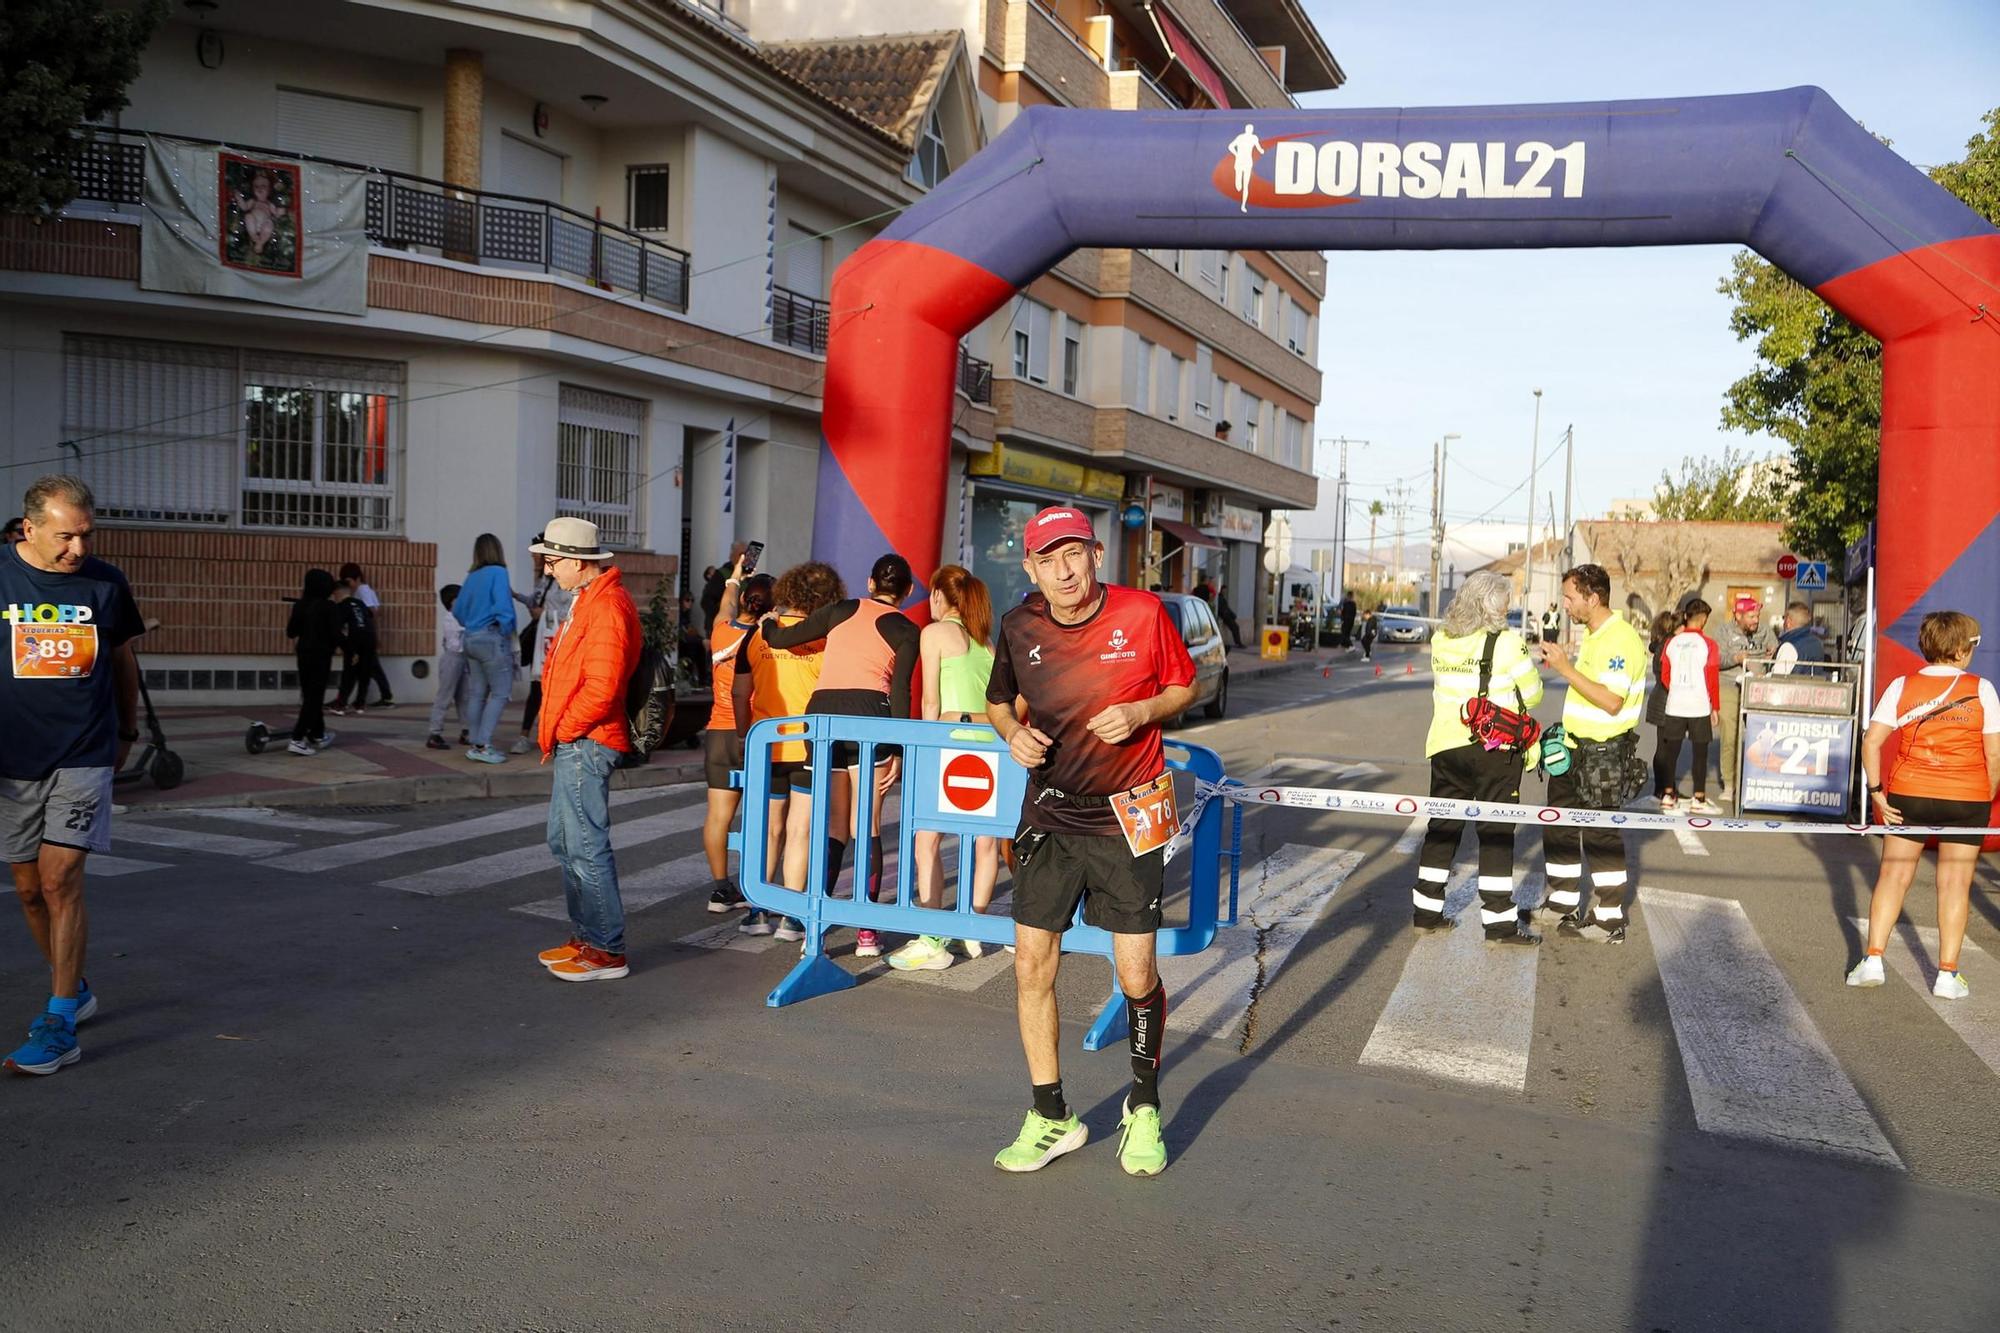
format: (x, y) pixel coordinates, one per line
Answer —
(369, 133)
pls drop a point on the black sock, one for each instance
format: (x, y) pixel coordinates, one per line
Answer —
(1049, 1101)
(724, 886)
(1146, 1020)
(836, 857)
(874, 867)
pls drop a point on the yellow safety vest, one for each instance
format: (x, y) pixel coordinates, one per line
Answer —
(1455, 682)
(1614, 656)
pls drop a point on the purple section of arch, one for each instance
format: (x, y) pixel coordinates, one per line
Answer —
(1684, 171)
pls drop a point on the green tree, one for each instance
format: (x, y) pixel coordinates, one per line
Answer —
(1818, 381)
(1735, 487)
(62, 62)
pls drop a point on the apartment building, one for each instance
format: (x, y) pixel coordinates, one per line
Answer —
(361, 281)
(1171, 393)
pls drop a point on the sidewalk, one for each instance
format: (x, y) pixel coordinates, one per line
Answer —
(377, 759)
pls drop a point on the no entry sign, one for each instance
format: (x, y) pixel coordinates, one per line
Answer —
(968, 782)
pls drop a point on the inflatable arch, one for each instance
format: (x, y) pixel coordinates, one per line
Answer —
(1788, 174)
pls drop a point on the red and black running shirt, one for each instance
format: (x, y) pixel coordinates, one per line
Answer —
(1128, 651)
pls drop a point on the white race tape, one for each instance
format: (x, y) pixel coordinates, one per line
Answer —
(1547, 816)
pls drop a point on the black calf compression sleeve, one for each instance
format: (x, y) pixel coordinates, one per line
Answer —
(1147, 1019)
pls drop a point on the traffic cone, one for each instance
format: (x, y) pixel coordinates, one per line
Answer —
(1409, 668)
(1326, 673)
(1378, 673)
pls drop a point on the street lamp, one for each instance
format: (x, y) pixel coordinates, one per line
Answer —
(1528, 554)
(1441, 456)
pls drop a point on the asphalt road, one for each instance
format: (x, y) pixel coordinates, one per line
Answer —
(330, 1089)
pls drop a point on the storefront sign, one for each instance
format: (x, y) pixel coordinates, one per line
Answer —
(1169, 502)
(1237, 524)
(1797, 762)
(1010, 462)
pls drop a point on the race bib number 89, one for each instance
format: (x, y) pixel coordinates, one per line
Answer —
(54, 652)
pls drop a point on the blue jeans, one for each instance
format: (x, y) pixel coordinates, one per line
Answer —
(580, 837)
(452, 688)
(489, 670)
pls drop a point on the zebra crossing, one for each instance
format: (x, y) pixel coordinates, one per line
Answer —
(1461, 1013)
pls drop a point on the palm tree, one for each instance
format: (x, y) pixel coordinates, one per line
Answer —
(1375, 510)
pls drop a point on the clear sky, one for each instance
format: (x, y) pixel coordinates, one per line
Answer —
(1630, 346)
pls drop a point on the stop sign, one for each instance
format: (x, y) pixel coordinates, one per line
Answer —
(968, 782)
(1788, 565)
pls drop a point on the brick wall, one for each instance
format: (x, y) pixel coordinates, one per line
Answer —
(220, 593)
(79, 247)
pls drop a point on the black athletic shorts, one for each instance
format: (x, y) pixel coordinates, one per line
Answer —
(721, 755)
(847, 754)
(786, 775)
(1052, 871)
(1942, 814)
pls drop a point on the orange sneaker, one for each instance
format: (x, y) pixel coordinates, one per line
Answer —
(591, 965)
(561, 954)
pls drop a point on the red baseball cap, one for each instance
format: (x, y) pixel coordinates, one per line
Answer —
(1747, 603)
(1055, 525)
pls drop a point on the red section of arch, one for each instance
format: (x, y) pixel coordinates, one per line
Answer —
(901, 308)
(1939, 482)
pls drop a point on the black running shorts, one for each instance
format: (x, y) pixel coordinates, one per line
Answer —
(721, 755)
(1939, 813)
(1054, 871)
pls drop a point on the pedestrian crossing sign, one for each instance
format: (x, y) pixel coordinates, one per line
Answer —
(1811, 576)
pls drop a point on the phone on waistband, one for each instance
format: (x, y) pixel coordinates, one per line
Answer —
(751, 554)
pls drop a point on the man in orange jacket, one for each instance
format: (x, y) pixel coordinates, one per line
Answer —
(582, 728)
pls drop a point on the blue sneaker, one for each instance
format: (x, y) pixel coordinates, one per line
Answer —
(51, 1045)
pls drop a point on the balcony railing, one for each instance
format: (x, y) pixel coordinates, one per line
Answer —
(975, 377)
(798, 320)
(406, 212)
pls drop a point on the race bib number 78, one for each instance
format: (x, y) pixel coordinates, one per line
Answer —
(1147, 815)
(54, 652)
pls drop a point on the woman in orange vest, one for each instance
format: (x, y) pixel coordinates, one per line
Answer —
(1945, 773)
(779, 682)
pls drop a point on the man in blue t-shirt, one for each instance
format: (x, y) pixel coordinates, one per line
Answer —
(70, 699)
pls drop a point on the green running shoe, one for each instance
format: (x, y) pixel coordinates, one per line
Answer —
(925, 953)
(1042, 1140)
(1141, 1150)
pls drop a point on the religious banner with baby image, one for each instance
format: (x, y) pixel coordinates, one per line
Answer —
(258, 203)
(220, 222)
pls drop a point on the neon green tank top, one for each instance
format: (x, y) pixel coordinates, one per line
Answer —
(962, 679)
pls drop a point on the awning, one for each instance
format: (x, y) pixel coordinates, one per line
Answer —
(1190, 57)
(1186, 534)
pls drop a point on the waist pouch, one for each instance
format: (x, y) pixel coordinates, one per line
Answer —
(1609, 773)
(1499, 728)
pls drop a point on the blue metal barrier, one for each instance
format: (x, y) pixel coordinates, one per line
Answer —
(957, 779)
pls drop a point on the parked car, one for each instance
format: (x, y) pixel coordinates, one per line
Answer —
(1531, 630)
(1203, 637)
(1401, 624)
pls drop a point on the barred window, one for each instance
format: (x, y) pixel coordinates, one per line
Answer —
(186, 434)
(599, 452)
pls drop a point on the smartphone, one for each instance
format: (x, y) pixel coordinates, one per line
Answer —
(751, 555)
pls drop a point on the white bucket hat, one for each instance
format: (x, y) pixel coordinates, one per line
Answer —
(573, 538)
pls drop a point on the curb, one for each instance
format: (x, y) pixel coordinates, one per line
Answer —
(420, 790)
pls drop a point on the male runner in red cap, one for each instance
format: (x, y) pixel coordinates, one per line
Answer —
(1084, 675)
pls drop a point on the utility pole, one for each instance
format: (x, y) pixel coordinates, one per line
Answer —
(1569, 487)
(1340, 516)
(1402, 507)
(1440, 457)
(1528, 556)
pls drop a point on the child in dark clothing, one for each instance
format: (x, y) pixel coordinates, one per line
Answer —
(1369, 628)
(357, 650)
(315, 625)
